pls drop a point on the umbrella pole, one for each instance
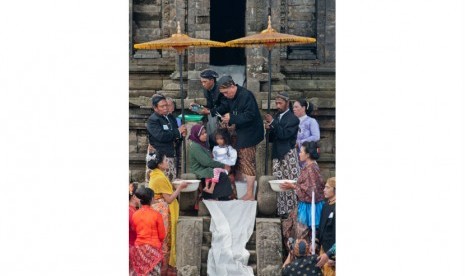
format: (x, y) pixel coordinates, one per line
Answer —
(269, 100)
(184, 151)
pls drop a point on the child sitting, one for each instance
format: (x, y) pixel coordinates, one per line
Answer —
(223, 153)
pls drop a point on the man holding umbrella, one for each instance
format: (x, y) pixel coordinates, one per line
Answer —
(214, 99)
(241, 109)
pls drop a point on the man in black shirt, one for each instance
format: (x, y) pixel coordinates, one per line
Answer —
(241, 109)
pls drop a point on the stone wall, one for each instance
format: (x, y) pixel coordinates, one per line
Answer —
(303, 72)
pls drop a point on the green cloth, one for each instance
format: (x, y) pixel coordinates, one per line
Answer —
(201, 162)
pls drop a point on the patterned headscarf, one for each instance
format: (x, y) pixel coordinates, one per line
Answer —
(195, 135)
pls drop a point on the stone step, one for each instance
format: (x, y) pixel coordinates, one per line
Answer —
(205, 249)
(203, 269)
(312, 84)
(207, 240)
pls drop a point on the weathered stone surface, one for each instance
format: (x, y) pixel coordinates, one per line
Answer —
(147, 84)
(323, 102)
(140, 101)
(266, 197)
(203, 210)
(188, 270)
(155, 19)
(312, 84)
(187, 200)
(269, 244)
(271, 270)
(189, 242)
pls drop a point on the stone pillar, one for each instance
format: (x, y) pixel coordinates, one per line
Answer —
(189, 242)
(269, 244)
(266, 197)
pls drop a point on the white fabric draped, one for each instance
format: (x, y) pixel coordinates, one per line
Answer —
(232, 224)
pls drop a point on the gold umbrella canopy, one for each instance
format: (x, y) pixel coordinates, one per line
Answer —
(179, 42)
(269, 37)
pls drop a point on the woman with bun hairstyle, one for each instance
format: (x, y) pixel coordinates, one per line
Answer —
(309, 130)
(166, 204)
(146, 255)
(298, 225)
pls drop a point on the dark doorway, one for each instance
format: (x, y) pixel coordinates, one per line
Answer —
(227, 22)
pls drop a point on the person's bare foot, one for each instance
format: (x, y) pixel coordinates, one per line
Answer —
(208, 190)
(248, 197)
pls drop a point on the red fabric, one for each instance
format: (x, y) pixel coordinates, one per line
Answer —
(132, 232)
(149, 227)
(143, 258)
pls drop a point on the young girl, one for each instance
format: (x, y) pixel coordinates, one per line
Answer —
(223, 153)
(146, 255)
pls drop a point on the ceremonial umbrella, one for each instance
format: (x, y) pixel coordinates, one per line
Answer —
(179, 42)
(269, 38)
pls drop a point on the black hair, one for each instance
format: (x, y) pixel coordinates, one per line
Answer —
(145, 195)
(224, 133)
(135, 185)
(155, 161)
(307, 105)
(311, 148)
(156, 99)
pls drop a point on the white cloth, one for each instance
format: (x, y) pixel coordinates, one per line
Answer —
(232, 224)
(226, 155)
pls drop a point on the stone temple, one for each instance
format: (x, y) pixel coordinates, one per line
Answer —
(303, 71)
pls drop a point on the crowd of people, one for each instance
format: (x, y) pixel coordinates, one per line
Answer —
(221, 150)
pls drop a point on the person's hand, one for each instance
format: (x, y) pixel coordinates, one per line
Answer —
(183, 185)
(267, 126)
(268, 118)
(226, 117)
(191, 104)
(204, 111)
(331, 263)
(183, 130)
(150, 149)
(287, 185)
(228, 168)
(288, 260)
(322, 260)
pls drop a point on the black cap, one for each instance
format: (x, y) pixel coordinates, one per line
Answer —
(225, 81)
(283, 95)
(208, 74)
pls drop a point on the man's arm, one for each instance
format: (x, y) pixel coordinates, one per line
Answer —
(286, 131)
(246, 114)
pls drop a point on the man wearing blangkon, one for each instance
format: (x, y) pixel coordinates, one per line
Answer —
(241, 109)
(214, 98)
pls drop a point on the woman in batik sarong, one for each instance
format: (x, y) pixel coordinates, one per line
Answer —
(146, 255)
(298, 225)
(166, 203)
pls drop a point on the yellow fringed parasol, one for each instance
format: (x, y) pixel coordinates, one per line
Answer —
(269, 38)
(179, 42)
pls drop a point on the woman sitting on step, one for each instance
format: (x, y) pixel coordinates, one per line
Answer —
(166, 203)
(202, 164)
